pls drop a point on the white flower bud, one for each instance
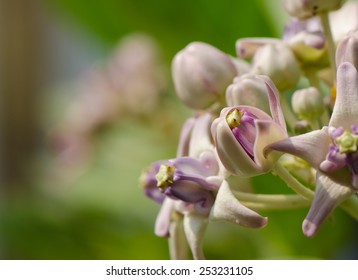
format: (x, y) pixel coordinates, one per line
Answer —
(309, 8)
(248, 90)
(278, 62)
(201, 74)
(308, 103)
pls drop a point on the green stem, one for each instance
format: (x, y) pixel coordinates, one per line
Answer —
(329, 40)
(292, 182)
(271, 201)
(350, 205)
(272, 206)
(287, 112)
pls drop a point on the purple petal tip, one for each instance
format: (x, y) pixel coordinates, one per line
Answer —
(309, 229)
(264, 222)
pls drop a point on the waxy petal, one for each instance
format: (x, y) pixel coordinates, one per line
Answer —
(178, 248)
(194, 166)
(231, 153)
(247, 47)
(184, 138)
(329, 194)
(228, 208)
(312, 146)
(154, 193)
(194, 227)
(191, 193)
(274, 101)
(162, 222)
(347, 49)
(345, 111)
(267, 132)
(201, 139)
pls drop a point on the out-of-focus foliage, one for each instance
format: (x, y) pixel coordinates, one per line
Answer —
(103, 214)
(173, 23)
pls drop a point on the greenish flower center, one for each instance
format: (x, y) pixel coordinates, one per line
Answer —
(164, 176)
(233, 118)
(347, 142)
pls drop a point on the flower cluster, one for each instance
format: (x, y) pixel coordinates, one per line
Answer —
(244, 126)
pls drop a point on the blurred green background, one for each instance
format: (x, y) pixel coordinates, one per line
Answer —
(93, 208)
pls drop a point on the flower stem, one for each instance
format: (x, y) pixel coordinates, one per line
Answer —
(271, 201)
(350, 205)
(329, 40)
(292, 182)
(287, 112)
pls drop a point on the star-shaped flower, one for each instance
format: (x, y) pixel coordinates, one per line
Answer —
(332, 151)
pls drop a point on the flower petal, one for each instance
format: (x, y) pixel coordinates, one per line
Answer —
(192, 193)
(247, 47)
(328, 195)
(227, 207)
(191, 165)
(312, 147)
(267, 132)
(194, 227)
(178, 248)
(345, 111)
(274, 101)
(232, 155)
(184, 138)
(163, 219)
(201, 139)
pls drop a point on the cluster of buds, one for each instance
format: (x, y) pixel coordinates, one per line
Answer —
(245, 126)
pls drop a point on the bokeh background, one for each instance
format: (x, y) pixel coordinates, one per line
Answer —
(87, 102)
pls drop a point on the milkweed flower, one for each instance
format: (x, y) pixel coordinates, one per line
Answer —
(332, 151)
(195, 191)
(241, 133)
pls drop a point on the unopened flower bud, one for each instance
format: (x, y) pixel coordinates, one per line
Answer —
(308, 103)
(309, 8)
(248, 90)
(201, 74)
(278, 62)
(347, 50)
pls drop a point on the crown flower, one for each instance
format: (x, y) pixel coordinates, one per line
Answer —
(281, 107)
(332, 151)
(241, 133)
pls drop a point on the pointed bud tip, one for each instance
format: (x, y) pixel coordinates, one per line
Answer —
(309, 229)
(263, 222)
